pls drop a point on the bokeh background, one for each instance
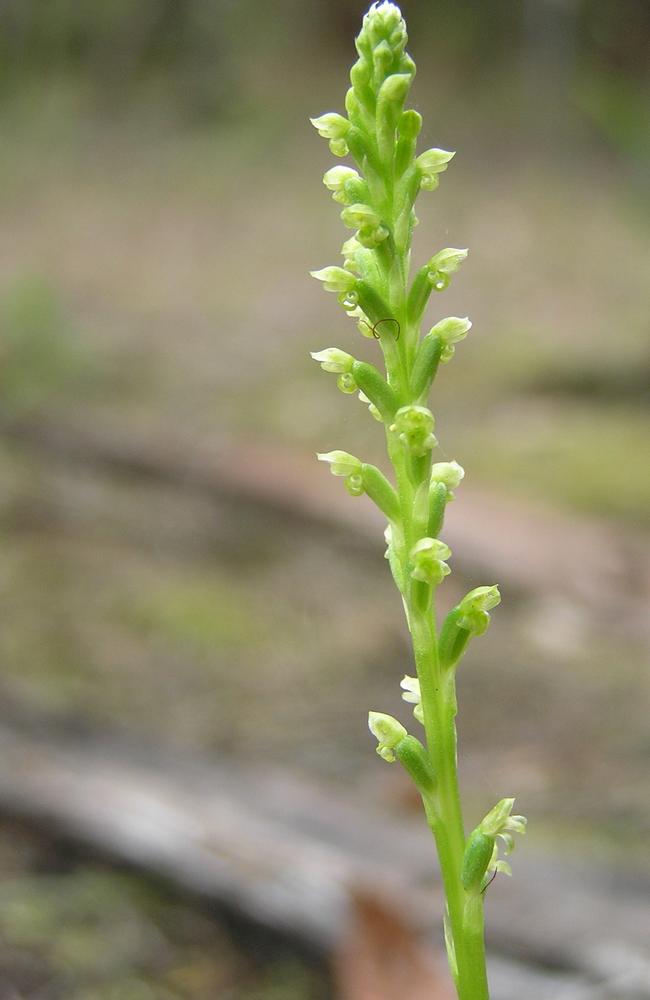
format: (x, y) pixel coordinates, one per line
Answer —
(176, 571)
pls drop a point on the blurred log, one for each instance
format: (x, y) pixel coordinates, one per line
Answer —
(294, 857)
(530, 549)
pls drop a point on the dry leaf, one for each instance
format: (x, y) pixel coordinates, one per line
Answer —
(383, 957)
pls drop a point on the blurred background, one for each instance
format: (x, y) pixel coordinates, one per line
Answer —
(195, 617)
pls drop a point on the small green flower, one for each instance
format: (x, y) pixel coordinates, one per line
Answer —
(333, 360)
(449, 473)
(334, 127)
(388, 732)
(370, 231)
(450, 331)
(341, 463)
(345, 184)
(427, 558)
(481, 861)
(474, 607)
(445, 263)
(430, 164)
(335, 279)
(414, 425)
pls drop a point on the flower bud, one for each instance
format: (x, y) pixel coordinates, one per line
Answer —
(335, 279)
(331, 126)
(427, 557)
(408, 128)
(341, 463)
(384, 21)
(415, 424)
(382, 57)
(388, 732)
(394, 89)
(333, 360)
(410, 124)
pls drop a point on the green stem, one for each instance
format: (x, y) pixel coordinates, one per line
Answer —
(438, 698)
(438, 702)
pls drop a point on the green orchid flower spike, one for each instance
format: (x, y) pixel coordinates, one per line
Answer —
(375, 288)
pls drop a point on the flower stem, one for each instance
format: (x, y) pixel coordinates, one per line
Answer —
(445, 816)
